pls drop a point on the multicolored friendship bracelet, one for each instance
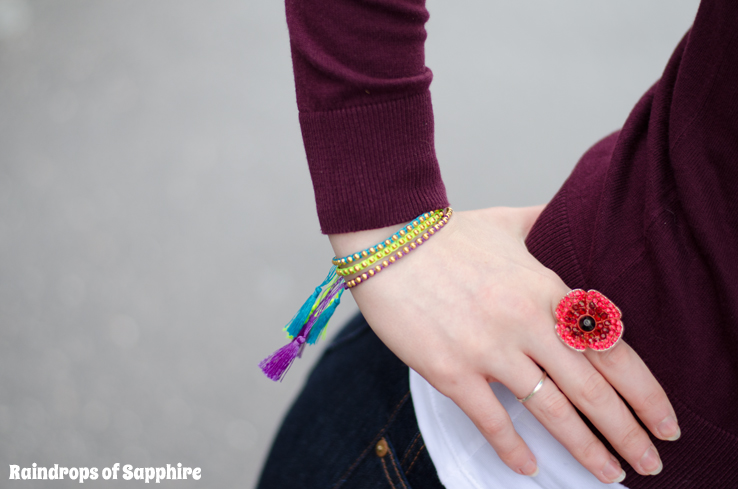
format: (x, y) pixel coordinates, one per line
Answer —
(311, 320)
(360, 279)
(388, 249)
(348, 259)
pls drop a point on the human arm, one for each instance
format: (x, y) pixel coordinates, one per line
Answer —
(479, 307)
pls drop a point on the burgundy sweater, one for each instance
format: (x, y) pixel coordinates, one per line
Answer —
(365, 110)
(649, 216)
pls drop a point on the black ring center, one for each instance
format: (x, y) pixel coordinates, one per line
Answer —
(587, 323)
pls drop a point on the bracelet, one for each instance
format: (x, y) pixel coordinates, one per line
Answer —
(396, 237)
(311, 320)
(388, 249)
(360, 279)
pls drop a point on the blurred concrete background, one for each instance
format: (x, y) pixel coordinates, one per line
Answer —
(157, 225)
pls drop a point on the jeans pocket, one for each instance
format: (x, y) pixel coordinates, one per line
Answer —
(379, 469)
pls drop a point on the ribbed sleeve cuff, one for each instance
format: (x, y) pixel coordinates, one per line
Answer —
(373, 166)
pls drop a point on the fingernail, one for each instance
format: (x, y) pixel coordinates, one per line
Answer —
(669, 429)
(650, 462)
(613, 472)
(530, 469)
(620, 479)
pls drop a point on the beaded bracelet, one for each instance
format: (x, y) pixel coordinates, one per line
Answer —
(360, 279)
(379, 253)
(399, 234)
(310, 321)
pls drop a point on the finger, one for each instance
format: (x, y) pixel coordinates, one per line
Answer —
(589, 391)
(559, 417)
(478, 401)
(630, 376)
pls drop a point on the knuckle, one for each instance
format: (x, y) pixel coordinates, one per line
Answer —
(653, 399)
(588, 451)
(556, 407)
(557, 288)
(449, 386)
(613, 358)
(632, 438)
(514, 456)
(596, 390)
(444, 373)
(493, 426)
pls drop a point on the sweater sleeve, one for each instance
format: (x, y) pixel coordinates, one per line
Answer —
(365, 110)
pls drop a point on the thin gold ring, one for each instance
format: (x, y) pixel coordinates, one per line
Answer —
(535, 389)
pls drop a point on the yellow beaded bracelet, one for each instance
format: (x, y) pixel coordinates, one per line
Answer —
(401, 252)
(388, 247)
(349, 259)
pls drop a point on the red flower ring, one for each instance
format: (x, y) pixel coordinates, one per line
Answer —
(588, 320)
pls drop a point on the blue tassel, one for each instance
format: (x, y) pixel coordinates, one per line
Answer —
(307, 325)
(297, 322)
(294, 327)
(322, 321)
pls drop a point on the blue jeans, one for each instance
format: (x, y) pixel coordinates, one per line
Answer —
(353, 425)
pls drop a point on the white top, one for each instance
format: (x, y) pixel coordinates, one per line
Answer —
(464, 459)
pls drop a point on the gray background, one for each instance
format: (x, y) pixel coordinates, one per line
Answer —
(157, 225)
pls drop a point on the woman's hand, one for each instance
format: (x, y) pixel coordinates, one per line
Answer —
(472, 306)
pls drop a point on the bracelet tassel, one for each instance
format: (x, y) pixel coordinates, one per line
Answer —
(307, 325)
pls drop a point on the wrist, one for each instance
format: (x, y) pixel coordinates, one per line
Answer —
(358, 266)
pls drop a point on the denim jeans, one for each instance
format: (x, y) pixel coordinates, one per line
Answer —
(353, 425)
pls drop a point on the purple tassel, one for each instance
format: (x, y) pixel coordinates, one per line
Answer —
(310, 322)
(276, 365)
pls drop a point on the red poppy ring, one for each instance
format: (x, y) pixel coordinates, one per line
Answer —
(588, 319)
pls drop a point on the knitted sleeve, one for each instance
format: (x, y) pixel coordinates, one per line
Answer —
(365, 110)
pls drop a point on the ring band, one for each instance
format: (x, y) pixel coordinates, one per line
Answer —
(535, 389)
